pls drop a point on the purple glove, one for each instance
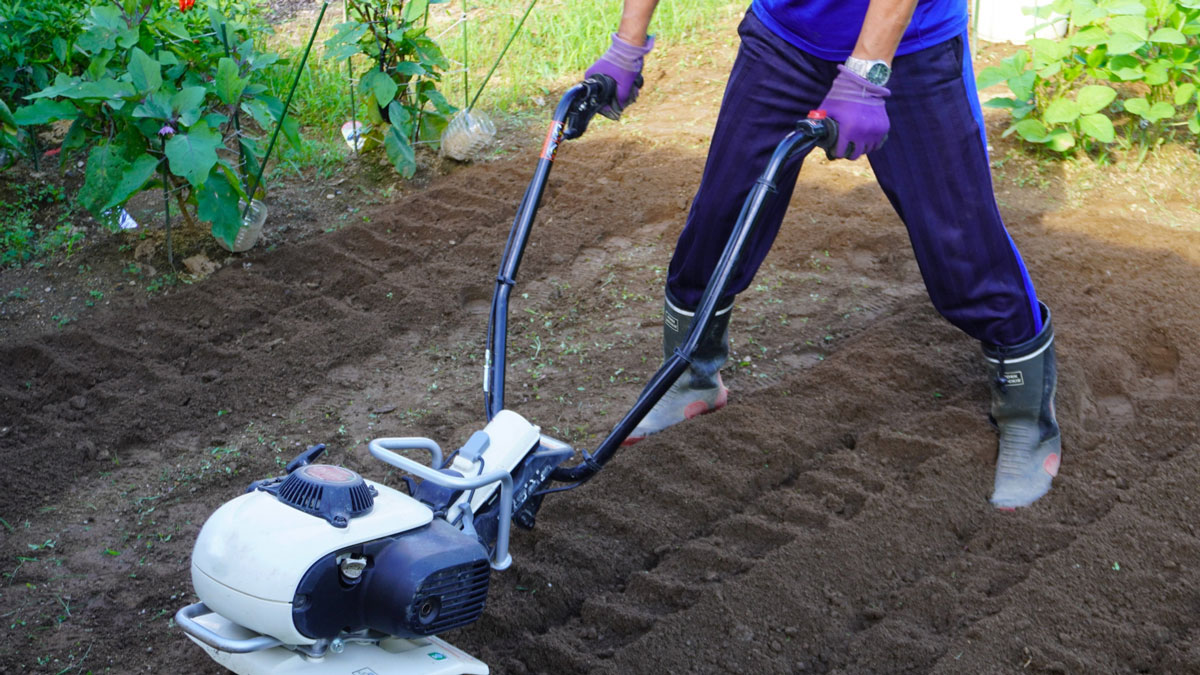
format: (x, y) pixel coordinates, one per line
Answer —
(623, 63)
(856, 106)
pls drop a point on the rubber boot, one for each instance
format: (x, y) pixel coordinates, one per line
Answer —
(1023, 380)
(699, 389)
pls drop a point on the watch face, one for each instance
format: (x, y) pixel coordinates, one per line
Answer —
(879, 73)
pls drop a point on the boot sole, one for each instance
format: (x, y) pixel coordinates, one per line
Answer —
(688, 414)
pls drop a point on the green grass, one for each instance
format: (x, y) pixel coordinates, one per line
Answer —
(559, 40)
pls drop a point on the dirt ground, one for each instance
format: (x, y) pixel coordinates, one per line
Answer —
(832, 519)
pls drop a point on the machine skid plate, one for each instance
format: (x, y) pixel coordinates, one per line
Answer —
(424, 656)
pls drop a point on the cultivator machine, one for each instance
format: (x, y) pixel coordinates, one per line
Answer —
(322, 571)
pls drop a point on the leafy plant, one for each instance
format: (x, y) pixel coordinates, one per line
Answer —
(401, 82)
(161, 104)
(1125, 72)
(37, 39)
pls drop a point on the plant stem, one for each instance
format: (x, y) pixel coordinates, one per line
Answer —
(162, 170)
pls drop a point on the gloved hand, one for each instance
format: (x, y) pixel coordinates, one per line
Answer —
(857, 107)
(623, 63)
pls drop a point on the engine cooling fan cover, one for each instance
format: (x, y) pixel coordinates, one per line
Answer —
(334, 493)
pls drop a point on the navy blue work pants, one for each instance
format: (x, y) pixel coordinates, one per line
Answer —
(933, 168)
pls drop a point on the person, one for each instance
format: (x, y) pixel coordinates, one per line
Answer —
(896, 77)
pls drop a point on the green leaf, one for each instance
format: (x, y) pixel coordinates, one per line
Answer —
(380, 85)
(229, 83)
(43, 111)
(1050, 71)
(157, 106)
(1194, 124)
(291, 131)
(105, 169)
(999, 102)
(188, 104)
(1031, 130)
(439, 101)
(400, 152)
(1060, 140)
(400, 117)
(1061, 111)
(1130, 7)
(414, 9)
(260, 111)
(1160, 111)
(1168, 35)
(1098, 127)
(1085, 12)
(217, 203)
(1048, 51)
(1022, 87)
(1184, 93)
(1088, 37)
(990, 76)
(1158, 73)
(1094, 98)
(409, 68)
(133, 179)
(145, 72)
(193, 154)
(1137, 106)
(1124, 43)
(1134, 25)
(6, 116)
(1126, 68)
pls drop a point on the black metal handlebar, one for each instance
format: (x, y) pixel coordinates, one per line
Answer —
(575, 110)
(571, 117)
(816, 131)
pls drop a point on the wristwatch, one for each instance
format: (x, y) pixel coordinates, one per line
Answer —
(875, 72)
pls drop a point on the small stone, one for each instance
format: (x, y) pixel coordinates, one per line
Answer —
(712, 576)
(776, 646)
(79, 402)
(1170, 565)
(874, 613)
(791, 631)
(1110, 473)
(204, 323)
(329, 196)
(1122, 484)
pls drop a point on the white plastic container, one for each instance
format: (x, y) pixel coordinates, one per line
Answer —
(467, 135)
(251, 229)
(1007, 21)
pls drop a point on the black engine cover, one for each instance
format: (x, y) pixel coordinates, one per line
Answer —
(415, 584)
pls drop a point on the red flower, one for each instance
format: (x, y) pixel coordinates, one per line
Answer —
(185, 5)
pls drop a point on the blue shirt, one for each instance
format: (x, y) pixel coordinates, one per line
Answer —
(829, 29)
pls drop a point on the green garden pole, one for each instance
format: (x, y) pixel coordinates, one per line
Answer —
(283, 116)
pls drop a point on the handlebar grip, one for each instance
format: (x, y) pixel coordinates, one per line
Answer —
(606, 89)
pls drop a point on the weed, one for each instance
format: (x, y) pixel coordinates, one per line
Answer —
(23, 237)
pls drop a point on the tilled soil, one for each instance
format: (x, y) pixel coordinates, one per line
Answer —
(833, 518)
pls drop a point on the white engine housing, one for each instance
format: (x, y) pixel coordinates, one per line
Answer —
(253, 552)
